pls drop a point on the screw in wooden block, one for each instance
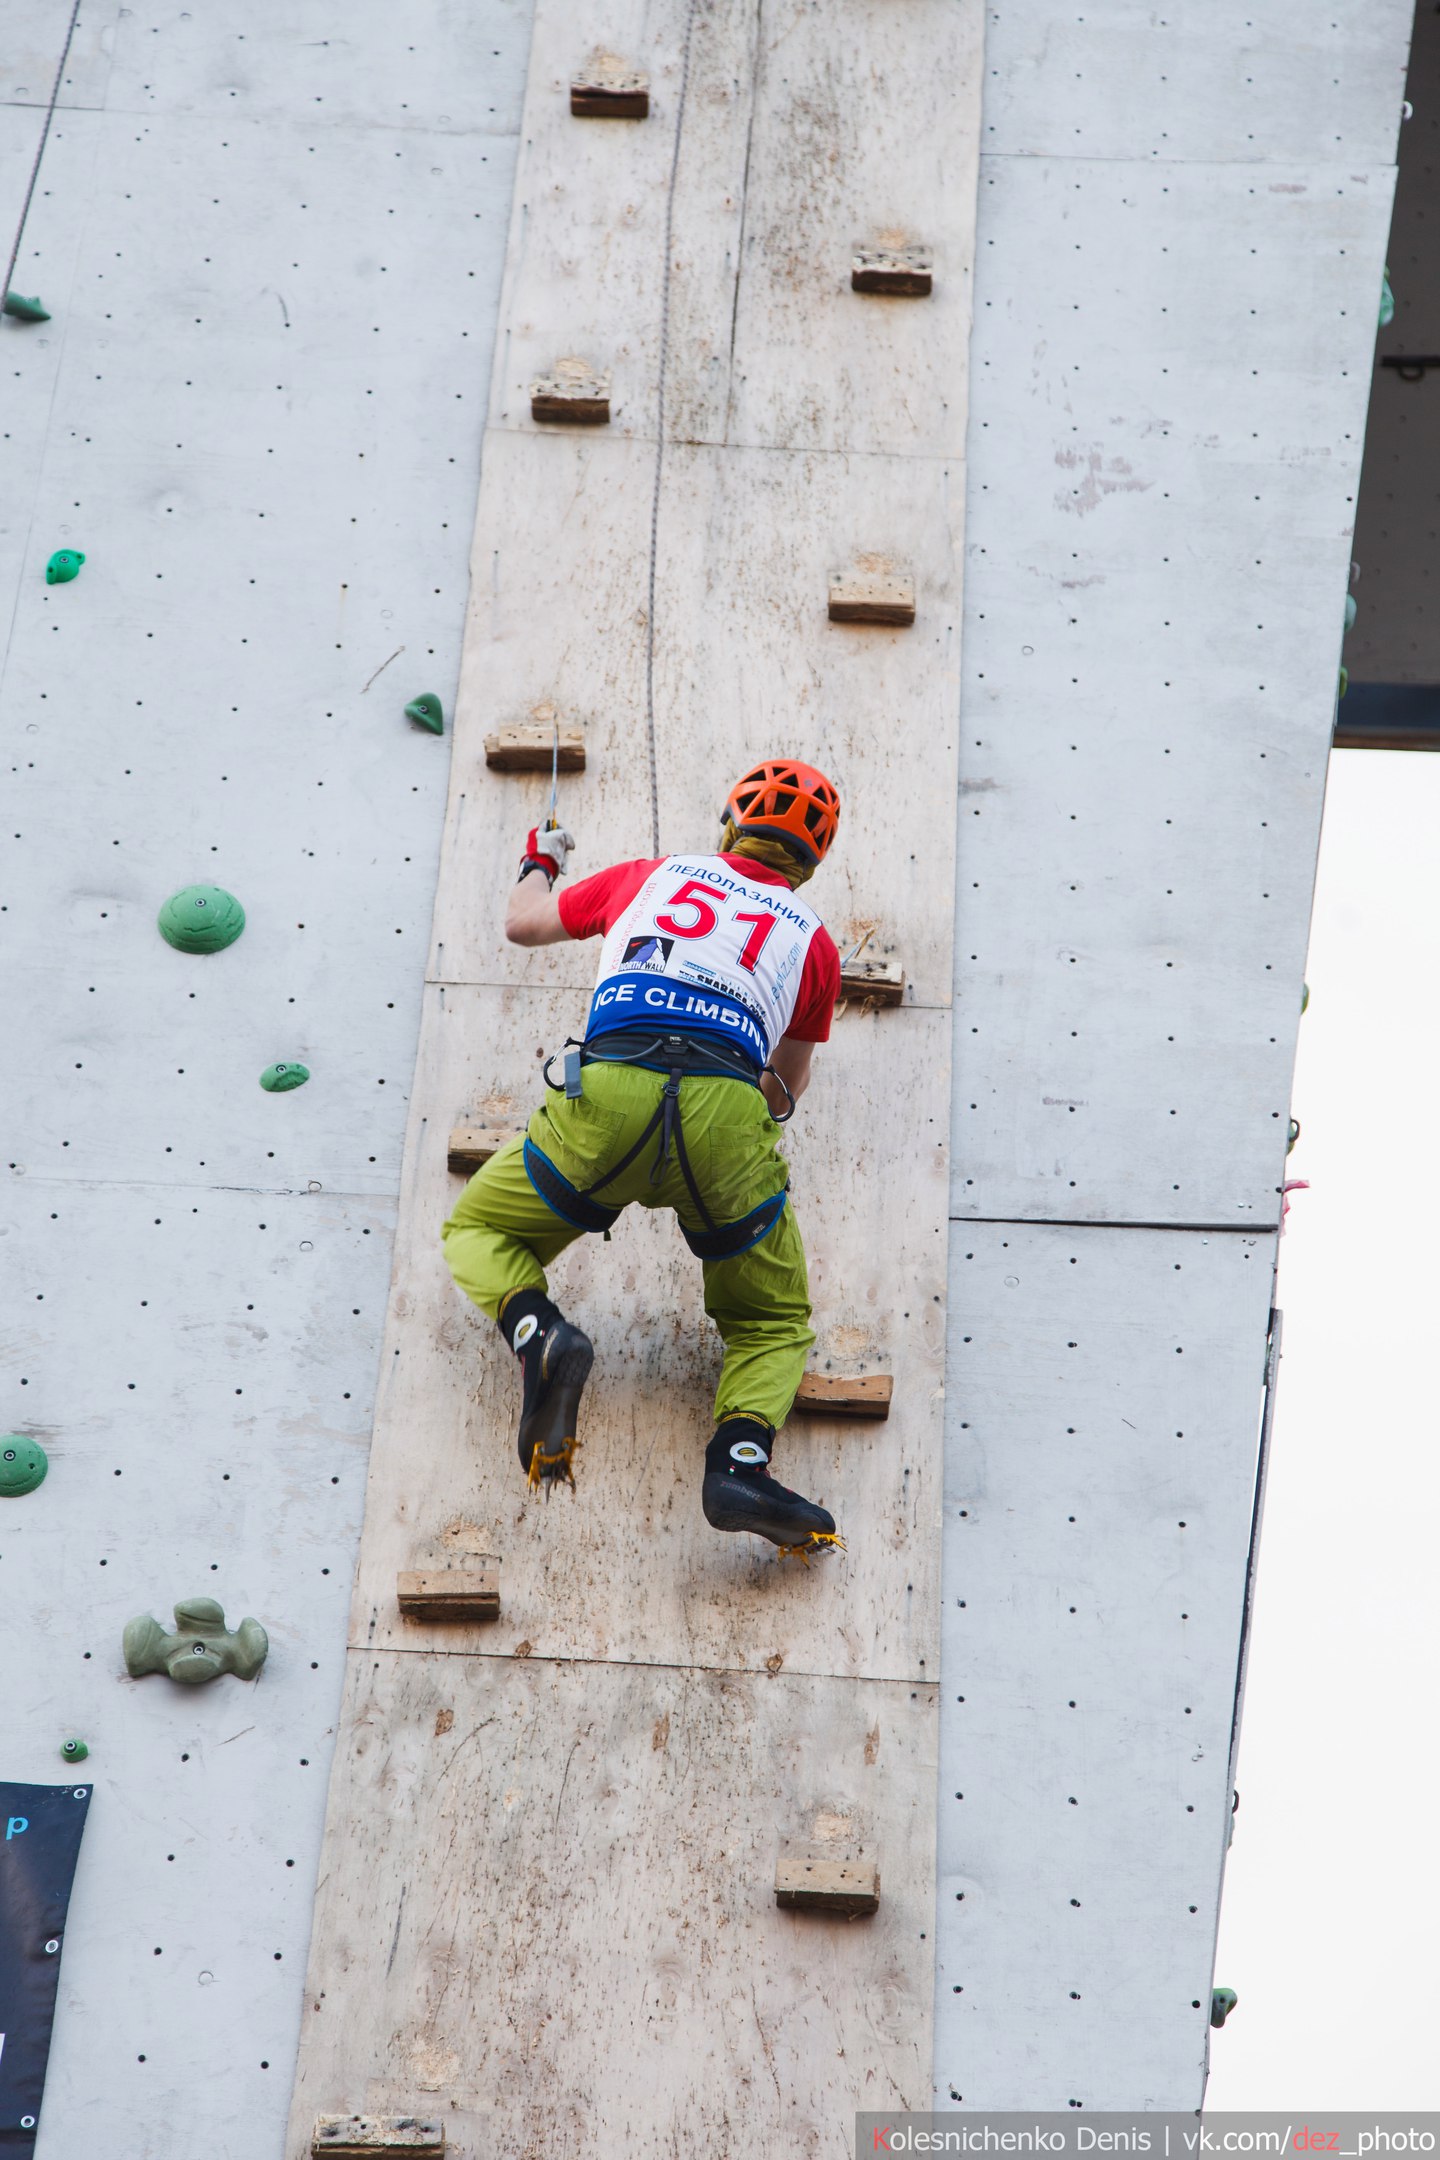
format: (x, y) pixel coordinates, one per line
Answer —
(807, 1880)
(905, 269)
(575, 394)
(471, 1146)
(873, 591)
(360, 2137)
(529, 745)
(454, 1593)
(608, 88)
(841, 1395)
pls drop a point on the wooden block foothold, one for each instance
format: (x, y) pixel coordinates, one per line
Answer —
(360, 2137)
(808, 1882)
(459, 1593)
(575, 394)
(906, 270)
(872, 595)
(471, 1146)
(854, 1395)
(606, 89)
(528, 745)
(876, 982)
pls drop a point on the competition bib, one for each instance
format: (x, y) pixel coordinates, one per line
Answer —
(702, 951)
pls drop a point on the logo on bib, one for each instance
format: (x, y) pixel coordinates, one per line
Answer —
(647, 952)
(746, 1451)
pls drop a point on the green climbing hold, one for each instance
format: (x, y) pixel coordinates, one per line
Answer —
(201, 1648)
(63, 565)
(1387, 301)
(279, 1079)
(1292, 1134)
(201, 918)
(74, 1751)
(428, 711)
(1304, 997)
(1351, 611)
(1222, 2002)
(1344, 680)
(23, 310)
(23, 1464)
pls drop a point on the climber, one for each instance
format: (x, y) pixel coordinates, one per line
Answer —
(716, 981)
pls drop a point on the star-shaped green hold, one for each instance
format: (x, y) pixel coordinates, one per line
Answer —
(428, 711)
(24, 310)
(63, 565)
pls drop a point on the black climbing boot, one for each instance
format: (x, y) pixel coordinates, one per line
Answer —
(555, 1360)
(740, 1494)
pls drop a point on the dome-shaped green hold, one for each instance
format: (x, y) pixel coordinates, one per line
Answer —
(63, 565)
(428, 710)
(201, 918)
(74, 1751)
(279, 1079)
(23, 1464)
(15, 304)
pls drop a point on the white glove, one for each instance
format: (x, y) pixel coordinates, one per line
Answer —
(547, 851)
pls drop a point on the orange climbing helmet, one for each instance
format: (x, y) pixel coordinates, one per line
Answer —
(794, 802)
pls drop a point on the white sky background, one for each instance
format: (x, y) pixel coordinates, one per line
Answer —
(1330, 1924)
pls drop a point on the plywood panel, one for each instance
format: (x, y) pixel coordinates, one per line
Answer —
(627, 1567)
(558, 1905)
(857, 138)
(749, 660)
(587, 243)
(618, 1597)
(557, 616)
(746, 658)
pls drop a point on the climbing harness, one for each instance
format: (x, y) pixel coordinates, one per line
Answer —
(679, 1058)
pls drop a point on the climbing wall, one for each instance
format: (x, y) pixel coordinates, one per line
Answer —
(546, 1905)
(1179, 245)
(241, 219)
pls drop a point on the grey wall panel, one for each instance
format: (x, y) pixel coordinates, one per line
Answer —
(272, 251)
(1241, 80)
(1182, 227)
(1171, 364)
(1105, 1394)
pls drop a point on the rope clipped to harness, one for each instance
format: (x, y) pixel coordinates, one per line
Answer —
(817, 1542)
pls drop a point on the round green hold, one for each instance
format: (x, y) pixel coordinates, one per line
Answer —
(428, 710)
(23, 310)
(74, 1751)
(201, 918)
(1304, 997)
(1351, 610)
(63, 565)
(279, 1079)
(23, 1464)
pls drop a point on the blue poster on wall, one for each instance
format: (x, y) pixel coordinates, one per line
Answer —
(42, 1826)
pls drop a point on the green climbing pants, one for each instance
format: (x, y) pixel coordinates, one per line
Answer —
(501, 1236)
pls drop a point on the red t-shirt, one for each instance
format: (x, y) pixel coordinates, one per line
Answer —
(588, 908)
